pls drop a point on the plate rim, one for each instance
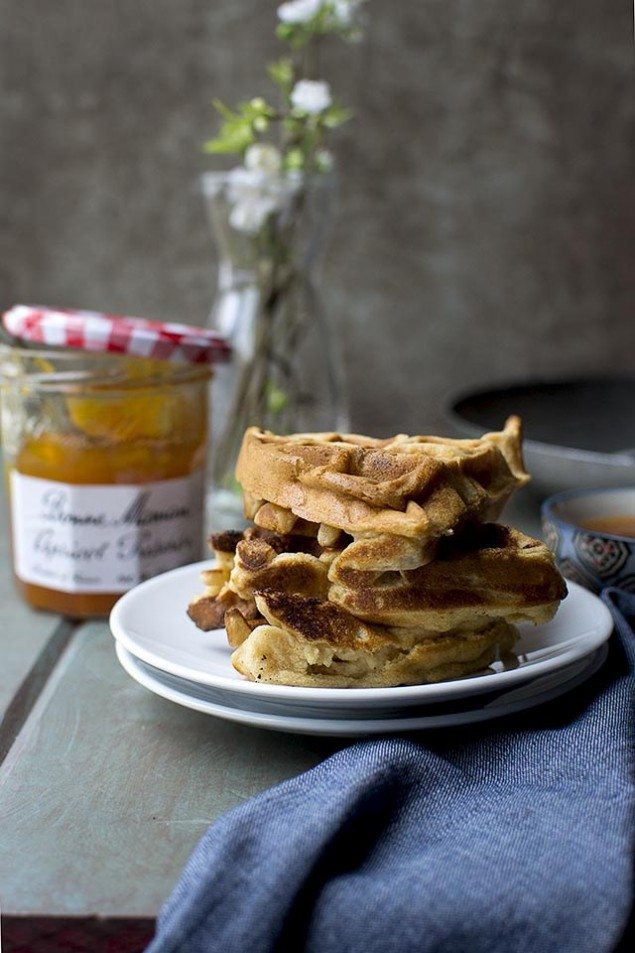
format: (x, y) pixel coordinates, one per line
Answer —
(268, 706)
(353, 727)
(404, 693)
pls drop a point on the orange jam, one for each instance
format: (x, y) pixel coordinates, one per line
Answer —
(148, 438)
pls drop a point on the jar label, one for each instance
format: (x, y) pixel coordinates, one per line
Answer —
(106, 538)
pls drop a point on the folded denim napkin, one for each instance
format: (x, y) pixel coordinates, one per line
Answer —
(516, 836)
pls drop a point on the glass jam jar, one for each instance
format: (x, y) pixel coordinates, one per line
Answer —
(105, 461)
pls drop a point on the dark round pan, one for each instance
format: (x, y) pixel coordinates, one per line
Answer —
(577, 433)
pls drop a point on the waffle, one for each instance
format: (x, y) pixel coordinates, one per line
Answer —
(309, 642)
(258, 566)
(491, 572)
(206, 610)
(249, 560)
(417, 487)
(382, 551)
(375, 562)
(496, 575)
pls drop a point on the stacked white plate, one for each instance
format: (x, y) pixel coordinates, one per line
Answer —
(162, 649)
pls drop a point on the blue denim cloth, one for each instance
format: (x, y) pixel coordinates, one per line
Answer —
(512, 837)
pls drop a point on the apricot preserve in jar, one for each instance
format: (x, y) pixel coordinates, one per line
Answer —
(105, 462)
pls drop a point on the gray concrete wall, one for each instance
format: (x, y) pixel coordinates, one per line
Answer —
(487, 210)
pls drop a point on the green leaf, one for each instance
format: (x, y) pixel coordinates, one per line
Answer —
(224, 110)
(281, 72)
(276, 398)
(285, 31)
(294, 160)
(235, 135)
(239, 128)
(256, 108)
(336, 116)
(257, 105)
(297, 35)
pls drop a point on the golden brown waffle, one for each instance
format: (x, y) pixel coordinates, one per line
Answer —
(381, 551)
(255, 559)
(311, 643)
(490, 572)
(207, 610)
(258, 566)
(371, 562)
(418, 487)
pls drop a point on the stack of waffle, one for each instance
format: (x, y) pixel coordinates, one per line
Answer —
(375, 562)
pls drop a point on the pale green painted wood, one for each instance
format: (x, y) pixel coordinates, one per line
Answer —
(23, 632)
(108, 788)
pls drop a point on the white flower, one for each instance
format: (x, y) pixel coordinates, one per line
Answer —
(251, 201)
(323, 160)
(345, 10)
(249, 216)
(263, 157)
(299, 11)
(254, 194)
(311, 96)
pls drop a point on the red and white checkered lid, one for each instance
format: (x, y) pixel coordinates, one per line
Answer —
(92, 331)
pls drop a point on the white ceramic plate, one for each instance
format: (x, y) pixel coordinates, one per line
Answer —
(540, 690)
(266, 706)
(150, 622)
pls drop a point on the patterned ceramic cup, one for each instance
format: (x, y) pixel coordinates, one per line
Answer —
(592, 557)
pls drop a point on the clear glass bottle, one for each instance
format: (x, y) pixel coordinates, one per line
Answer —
(286, 374)
(105, 463)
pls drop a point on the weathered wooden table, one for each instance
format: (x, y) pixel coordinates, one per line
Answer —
(106, 788)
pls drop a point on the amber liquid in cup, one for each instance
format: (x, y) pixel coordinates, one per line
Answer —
(614, 525)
